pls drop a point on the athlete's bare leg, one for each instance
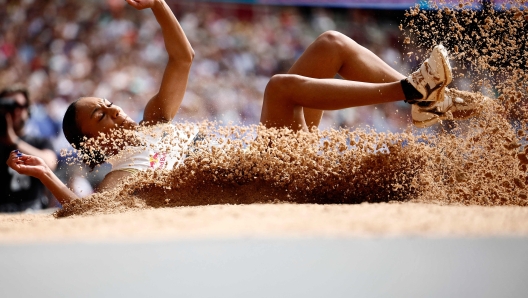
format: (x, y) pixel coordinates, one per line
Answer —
(299, 98)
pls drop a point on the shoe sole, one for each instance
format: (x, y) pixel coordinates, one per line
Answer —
(463, 112)
(456, 116)
(447, 72)
(473, 104)
(426, 123)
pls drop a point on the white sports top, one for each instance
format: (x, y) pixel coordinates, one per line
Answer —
(164, 147)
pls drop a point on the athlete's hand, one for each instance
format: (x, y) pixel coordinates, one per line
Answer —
(141, 4)
(27, 164)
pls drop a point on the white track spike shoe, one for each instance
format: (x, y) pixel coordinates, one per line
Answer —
(453, 107)
(432, 77)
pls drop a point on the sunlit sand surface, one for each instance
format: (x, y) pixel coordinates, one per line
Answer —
(270, 221)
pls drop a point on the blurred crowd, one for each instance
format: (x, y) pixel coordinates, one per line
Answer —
(64, 49)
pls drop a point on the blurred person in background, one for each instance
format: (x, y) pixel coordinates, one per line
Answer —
(20, 192)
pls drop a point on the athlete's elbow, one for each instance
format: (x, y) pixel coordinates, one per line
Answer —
(191, 54)
(188, 57)
(182, 58)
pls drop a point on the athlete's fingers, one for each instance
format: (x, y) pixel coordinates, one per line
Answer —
(20, 158)
(29, 160)
(17, 153)
(14, 161)
(14, 155)
(139, 4)
(132, 3)
(11, 159)
(24, 158)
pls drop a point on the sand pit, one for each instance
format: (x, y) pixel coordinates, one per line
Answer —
(270, 221)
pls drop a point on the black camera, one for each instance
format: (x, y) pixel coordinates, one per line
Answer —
(7, 105)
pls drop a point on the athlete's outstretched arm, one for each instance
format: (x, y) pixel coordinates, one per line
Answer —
(36, 167)
(164, 105)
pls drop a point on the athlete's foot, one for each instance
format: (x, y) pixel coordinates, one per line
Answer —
(432, 77)
(453, 107)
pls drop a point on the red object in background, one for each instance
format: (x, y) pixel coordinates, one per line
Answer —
(8, 50)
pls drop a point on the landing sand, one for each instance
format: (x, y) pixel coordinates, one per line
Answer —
(269, 221)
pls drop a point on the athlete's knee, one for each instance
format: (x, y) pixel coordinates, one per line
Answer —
(332, 39)
(331, 35)
(279, 87)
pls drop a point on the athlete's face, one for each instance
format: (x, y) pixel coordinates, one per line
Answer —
(97, 115)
